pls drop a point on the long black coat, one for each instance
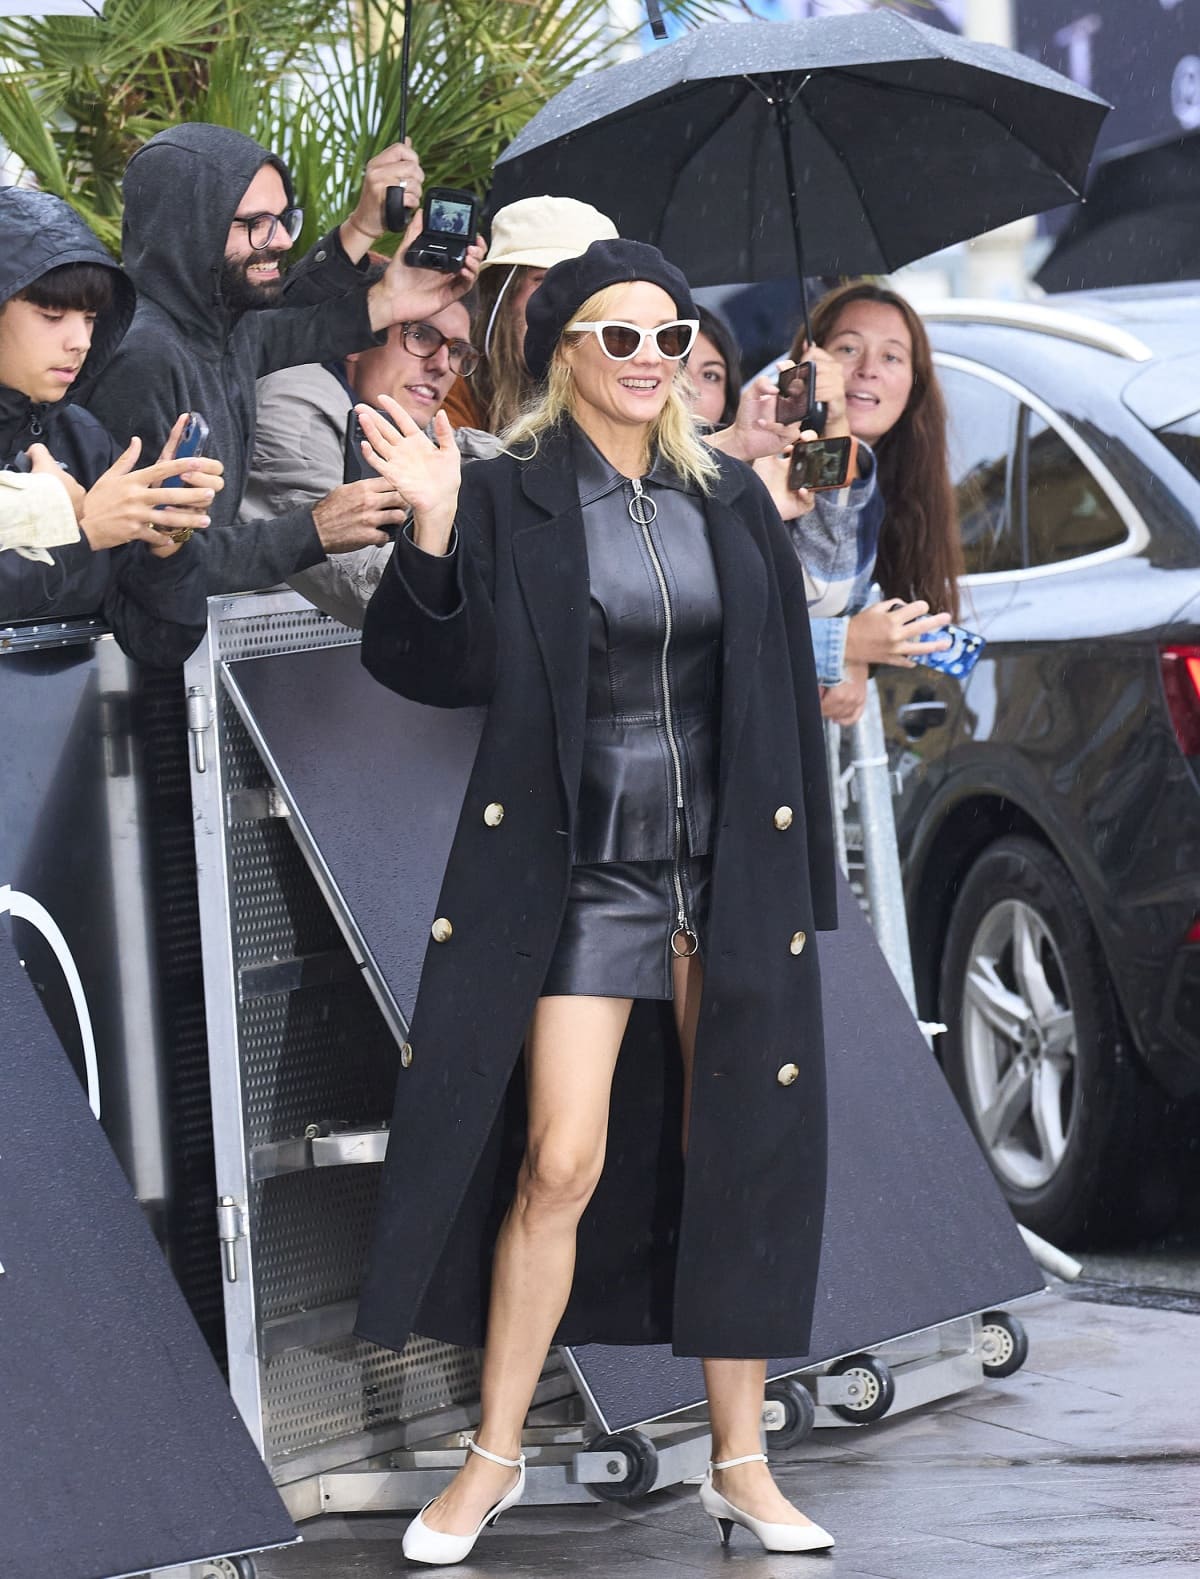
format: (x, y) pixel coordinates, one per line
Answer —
(718, 1258)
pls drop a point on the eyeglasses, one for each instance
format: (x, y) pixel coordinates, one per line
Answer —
(423, 340)
(261, 228)
(621, 342)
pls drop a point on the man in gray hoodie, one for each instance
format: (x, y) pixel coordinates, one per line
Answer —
(200, 246)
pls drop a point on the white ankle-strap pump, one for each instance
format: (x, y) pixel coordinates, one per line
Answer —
(423, 1545)
(774, 1537)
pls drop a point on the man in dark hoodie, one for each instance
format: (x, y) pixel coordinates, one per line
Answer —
(63, 300)
(209, 215)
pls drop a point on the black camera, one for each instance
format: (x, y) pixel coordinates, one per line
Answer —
(451, 221)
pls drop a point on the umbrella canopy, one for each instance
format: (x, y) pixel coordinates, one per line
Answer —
(1139, 223)
(881, 138)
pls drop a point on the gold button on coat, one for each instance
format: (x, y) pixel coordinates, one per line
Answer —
(442, 930)
(405, 1054)
(799, 939)
(493, 814)
(783, 818)
(788, 1073)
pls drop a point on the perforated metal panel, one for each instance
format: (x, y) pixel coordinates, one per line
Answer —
(289, 1060)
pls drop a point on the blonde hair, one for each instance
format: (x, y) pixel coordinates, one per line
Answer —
(672, 433)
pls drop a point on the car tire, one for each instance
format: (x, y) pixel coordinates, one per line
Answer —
(1099, 1176)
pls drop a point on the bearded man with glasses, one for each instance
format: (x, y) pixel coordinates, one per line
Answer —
(300, 447)
(210, 217)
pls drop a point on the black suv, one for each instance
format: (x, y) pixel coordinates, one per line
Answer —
(1048, 807)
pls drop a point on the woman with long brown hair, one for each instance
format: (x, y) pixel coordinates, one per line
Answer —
(894, 404)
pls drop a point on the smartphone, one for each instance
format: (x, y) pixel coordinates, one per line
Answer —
(796, 400)
(823, 463)
(451, 221)
(193, 442)
(797, 392)
(354, 467)
(960, 657)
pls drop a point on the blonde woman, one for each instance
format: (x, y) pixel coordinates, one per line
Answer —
(610, 1123)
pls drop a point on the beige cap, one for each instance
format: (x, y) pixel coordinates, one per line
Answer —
(543, 231)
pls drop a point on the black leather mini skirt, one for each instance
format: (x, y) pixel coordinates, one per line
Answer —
(615, 940)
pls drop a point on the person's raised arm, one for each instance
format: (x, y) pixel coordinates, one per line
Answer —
(754, 432)
(289, 336)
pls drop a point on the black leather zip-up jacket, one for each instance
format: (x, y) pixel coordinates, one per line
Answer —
(648, 787)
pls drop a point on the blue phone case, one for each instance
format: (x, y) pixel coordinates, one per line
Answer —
(192, 441)
(960, 657)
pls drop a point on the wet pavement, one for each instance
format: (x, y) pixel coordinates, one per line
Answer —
(1085, 1462)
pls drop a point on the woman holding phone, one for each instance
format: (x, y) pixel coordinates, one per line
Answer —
(894, 404)
(612, 1104)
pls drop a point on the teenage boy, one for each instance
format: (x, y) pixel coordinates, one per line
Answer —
(114, 542)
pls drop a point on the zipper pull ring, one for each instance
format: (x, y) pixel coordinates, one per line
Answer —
(643, 511)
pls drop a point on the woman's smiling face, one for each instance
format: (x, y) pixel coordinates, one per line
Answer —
(628, 393)
(872, 342)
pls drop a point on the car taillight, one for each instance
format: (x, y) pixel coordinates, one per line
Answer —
(1193, 932)
(1181, 682)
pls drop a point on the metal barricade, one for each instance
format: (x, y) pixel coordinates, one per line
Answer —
(866, 782)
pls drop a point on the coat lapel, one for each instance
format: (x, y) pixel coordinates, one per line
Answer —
(550, 554)
(744, 589)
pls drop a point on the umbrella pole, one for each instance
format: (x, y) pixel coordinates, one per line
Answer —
(782, 106)
(395, 210)
(404, 56)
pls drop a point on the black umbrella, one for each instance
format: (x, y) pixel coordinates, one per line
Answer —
(883, 139)
(1139, 223)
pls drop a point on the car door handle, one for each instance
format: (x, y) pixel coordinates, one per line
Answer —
(916, 717)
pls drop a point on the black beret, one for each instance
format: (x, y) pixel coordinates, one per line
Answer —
(570, 283)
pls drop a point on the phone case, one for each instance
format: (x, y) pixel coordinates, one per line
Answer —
(839, 469)
(193, 441)
(797, 385)
(960, 658)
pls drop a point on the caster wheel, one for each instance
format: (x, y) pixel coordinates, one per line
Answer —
(799, 1411)
(229, 1568)
(875, 1389)
(641, 1461)
(1003, 1344)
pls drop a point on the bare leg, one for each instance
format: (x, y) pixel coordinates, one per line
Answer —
(735, 1387)
(570, 1057)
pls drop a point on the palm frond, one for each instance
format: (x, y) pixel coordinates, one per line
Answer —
(318, 81)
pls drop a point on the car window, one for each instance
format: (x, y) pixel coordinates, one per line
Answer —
(982, 426)
(1068, 512)
(1183, 440)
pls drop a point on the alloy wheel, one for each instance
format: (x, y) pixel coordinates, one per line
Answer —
(1019, 1044)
